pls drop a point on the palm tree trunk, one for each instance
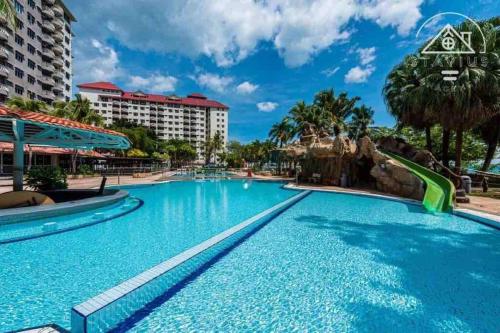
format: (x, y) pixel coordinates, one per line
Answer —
(428, 138)
(490, 153)
(74, 158)
(445, 148)
(458, 150)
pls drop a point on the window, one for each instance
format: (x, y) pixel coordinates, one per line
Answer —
(19, 24)
(31, 3)
(31, 18)
(31, 33)
(19, 56)
(31, 64)
(31, 49)
(31, 79)
(19, 73)
(19, 7)
(19, 40)
(19, 90)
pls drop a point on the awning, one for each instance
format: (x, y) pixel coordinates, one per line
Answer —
(24, 127)
(47, 130)
(8, 147)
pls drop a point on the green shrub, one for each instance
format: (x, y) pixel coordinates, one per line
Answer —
(46, 178)
(85, 169)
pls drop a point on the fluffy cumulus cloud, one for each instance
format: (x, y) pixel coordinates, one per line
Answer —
(267, 106)
(366, 56)
(359, 74)
(228, 31)
(246, 88)
(215, 82)
(154, 83)
(96, 62)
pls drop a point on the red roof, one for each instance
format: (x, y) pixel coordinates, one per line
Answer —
(195, 99)
(100, 86)
(8, 147)
(50, 120)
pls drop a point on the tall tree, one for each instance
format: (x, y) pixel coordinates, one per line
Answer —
(282, 132)
(362, 118)
(489, 131)
(339, 108)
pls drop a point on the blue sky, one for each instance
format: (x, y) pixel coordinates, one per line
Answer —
(258, 57)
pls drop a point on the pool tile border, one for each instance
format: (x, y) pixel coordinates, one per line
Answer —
(80, 313)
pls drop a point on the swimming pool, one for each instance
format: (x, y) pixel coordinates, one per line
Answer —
(43, 278)
(337, 262)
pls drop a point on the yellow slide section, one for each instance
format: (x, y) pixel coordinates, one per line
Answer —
(439, 190)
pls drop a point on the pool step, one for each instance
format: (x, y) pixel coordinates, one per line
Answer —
(51, 328)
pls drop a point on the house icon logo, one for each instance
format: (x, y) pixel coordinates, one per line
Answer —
(449, 41)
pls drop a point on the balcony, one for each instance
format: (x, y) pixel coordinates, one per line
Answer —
(49, 2)
(48, 67)
(3, 18)
(58, 23)
(58, 11)
(58, 63)
(58, 75)
(47, 80)
(49, 40)
(4, 53)
(58, 36)
(58, 50)
(48, 94)
(4, 71)
(48, 26)
(58, 88)
(48, 13)
(47, 53)
(4, 90)
(4, 35)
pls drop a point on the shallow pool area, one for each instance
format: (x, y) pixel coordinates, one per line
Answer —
(338, 262)
(43, 278)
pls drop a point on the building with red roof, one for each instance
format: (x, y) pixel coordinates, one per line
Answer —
(194, 118)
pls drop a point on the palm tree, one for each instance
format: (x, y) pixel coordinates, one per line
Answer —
(27, 105)
(79, 110)
(489, 131)
(407, 96)
(362, 118)
(212, 147)
(7, 10)
(305, 116)
(339, 108)
(473, 97)
(282, 132)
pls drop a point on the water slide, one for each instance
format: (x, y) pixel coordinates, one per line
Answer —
(439, 190)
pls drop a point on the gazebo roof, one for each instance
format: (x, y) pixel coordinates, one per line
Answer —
(43, 129)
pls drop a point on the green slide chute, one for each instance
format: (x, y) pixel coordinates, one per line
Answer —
(439, 190)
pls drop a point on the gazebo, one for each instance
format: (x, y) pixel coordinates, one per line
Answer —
(24, 127)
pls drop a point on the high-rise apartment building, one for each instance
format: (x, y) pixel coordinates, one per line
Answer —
(35, 56)
(193, 118)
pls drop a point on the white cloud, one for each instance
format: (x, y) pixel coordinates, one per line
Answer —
(367, 55)
(154, 83)
(97, 62)
(267, 106)
(246, 88)
(402, 15)
(358, 74)
(330, 71)
(214, 82)
(228, 31)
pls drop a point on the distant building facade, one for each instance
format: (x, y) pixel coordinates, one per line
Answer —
(193, 118)
(36, 57)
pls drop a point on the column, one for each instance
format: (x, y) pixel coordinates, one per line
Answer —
(18, 170)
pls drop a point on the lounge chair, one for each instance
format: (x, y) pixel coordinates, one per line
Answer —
(17, 199)
(315, 179)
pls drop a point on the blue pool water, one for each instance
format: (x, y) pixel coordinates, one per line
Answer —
(337, 263)
(41, 279)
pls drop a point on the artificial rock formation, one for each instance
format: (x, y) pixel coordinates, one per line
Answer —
(391, 176)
